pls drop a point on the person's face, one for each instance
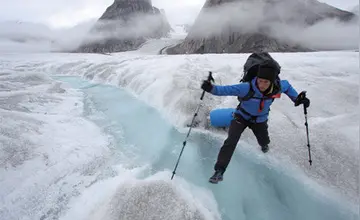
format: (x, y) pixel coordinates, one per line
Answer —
(263, 84)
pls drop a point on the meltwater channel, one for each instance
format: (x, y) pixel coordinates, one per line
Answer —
(251, 189)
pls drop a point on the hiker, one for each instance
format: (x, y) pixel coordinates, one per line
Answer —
(252, 112)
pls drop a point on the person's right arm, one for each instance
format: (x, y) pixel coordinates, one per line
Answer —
(231, 90)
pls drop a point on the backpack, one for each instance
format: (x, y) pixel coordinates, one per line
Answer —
(251, 67)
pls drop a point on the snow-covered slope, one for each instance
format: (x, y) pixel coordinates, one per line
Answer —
(171, 85)
(52, 152)
(39, 161)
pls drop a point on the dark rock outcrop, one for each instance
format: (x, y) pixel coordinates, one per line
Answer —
(244, 26)
(124, 26)
(246, 43)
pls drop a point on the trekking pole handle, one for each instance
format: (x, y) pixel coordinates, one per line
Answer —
(305, 110)
(210, 78)
(302, 96)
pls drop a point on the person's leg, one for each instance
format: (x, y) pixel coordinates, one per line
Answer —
(235, 130)
(261, 133)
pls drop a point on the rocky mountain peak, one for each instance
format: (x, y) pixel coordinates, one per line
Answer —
(124, 26)
(236, 26)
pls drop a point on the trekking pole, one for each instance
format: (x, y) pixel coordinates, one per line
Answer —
(210, 78)
(302, 95)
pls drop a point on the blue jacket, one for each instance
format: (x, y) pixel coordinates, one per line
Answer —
(252, 106)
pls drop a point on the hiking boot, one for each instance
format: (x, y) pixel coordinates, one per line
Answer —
(218, 176)
(265, 148)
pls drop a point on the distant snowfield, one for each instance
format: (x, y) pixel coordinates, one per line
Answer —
(45, 134)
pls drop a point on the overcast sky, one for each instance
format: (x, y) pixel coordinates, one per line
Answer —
(66, 13)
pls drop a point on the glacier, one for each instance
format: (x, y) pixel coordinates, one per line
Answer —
(86, 136)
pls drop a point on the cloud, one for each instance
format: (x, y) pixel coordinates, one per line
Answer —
(330, 34)
(136, 26)
(244, 17)
(67, 13)
(55, 13)
(342, 4)
(180, 11)
(68, 39)
(35, 37)
(286, 21)
(26, 36)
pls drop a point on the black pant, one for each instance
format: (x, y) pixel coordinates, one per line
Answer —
(236, 128)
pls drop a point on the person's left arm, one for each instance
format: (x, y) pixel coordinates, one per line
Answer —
(289, 90)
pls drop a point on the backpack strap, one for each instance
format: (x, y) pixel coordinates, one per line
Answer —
(249, 95)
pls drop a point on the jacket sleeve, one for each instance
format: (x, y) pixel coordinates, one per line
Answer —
(287, 88)
(231, 90)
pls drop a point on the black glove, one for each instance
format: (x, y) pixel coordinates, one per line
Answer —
(301, 99)
(207, 86)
